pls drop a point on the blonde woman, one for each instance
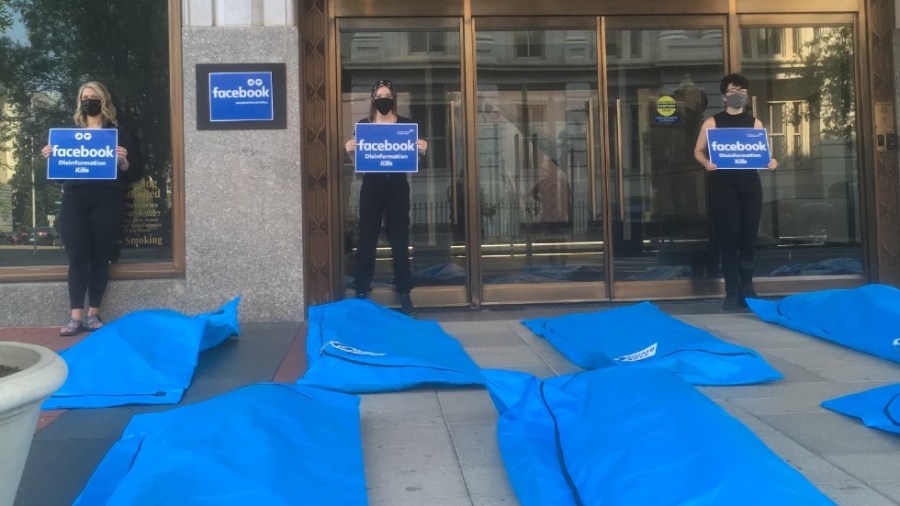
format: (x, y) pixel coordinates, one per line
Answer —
(91, 213)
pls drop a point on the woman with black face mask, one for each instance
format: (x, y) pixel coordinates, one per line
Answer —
(735, 196)
(384, 196)
(92, 211)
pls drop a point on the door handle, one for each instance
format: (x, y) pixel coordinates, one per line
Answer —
(454, 208)
(620, 170)
(592, 159)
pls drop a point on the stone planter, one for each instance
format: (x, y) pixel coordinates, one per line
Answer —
(40, 373)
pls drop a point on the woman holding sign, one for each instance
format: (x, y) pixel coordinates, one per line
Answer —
(384, 196)
(735, 195)
(92, 211)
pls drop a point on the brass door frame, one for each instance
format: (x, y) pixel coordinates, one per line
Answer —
(787, 285)
(320, 97)
(431, 296)
(662, 289)
(531, 293)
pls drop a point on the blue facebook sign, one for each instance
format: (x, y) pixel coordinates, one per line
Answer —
(82, 153)
(738, 148)
(387, 147)
(241, 96)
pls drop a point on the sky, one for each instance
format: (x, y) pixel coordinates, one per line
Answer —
(17, 32)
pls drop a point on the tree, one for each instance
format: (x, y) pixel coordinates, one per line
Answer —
(827, 79)
(6, 18)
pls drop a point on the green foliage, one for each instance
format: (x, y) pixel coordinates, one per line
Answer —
(6, 17)
(827, 78)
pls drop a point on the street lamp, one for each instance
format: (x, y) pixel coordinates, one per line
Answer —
(33, 189)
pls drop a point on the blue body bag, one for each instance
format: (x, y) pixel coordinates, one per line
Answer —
(642, 335)
(268, 444)
(632, 436)
(144, 357)
(357, 346)
(878, 408)
(866, 319)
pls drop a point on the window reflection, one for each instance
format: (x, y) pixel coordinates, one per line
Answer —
(804, 84)
(132, 59)
(424, 66)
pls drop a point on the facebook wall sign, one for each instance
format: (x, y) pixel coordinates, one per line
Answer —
(82, 153)
(387, 147)
(738, 148)
(241, 96)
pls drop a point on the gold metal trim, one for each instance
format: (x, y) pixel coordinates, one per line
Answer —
(176, 110)
(395, 24)
(796, 6)
(605, 154)
(470, 144)
(509, 23)
(776, 20)
(429, 296)
(595, 8)
(542, 293)
(592, 158)
(697, 22)
(620, 160)
(160, 270)
(394, 8)
(454, 203)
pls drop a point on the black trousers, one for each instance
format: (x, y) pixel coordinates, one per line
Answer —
(90, 220)
(383, 197)
(736, 197)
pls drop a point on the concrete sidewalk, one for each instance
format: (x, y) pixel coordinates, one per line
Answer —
(439, 447)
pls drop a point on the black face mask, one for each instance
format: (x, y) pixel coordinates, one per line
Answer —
(384, 105)
(91, 106)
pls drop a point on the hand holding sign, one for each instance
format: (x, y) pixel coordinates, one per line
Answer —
(739, 148)
(83, 153)
(387, 147)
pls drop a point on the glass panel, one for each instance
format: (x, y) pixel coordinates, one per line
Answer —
(805, 96)
(424, 66)
(537, 188)
(47, 65)
(657, 100)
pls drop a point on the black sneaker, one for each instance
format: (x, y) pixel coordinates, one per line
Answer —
(406, 304)
(732, 302)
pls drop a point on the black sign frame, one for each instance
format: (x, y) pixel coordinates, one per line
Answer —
(279, 96)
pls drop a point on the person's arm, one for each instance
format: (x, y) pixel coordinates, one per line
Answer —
(701, 147)
(773, 163)
(350, 145)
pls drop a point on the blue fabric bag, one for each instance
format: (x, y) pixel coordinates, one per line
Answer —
(357, 346)
(267, 444)
(632, 437)
(878, 408)
(865, 319)
(144, 357)
(641, 335)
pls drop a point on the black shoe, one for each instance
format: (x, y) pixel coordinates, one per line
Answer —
(732, 302)
(406, 304)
